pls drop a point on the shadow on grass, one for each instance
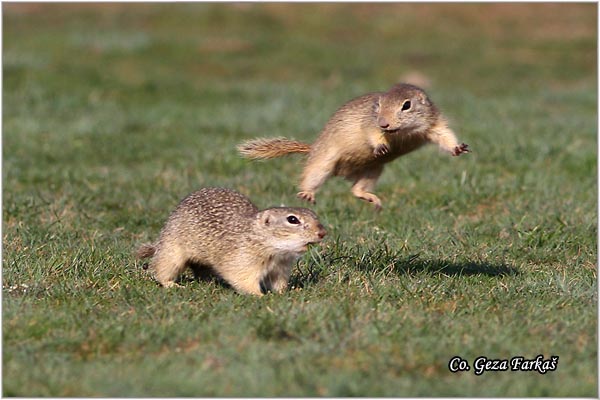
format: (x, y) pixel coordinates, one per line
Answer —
(195, 273)
(454, 268)
(384, 261)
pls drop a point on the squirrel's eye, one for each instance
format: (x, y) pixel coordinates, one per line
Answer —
(293, 220)
(406, 105)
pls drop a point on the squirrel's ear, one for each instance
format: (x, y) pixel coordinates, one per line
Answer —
(423, 99)
(377, 104)
(265, 219)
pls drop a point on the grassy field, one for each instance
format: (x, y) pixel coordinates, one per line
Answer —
(113, 113)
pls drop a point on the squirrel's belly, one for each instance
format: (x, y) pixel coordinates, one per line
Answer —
(351, 163)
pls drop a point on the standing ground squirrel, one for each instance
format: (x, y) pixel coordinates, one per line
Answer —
(363, 135)
(221, 229)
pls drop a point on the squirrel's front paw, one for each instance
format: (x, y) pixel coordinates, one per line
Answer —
(381, 150)
(460, 149)
(308, 196)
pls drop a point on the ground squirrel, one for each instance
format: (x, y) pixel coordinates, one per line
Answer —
(363, 135)
(221, 229)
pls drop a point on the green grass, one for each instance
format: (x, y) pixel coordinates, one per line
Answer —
(111, 114)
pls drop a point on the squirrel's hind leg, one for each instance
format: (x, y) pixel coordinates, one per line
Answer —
(365, 183)
(167, 265)
(315, 173)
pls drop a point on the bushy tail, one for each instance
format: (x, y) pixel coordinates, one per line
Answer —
(271, 148)
(146, 250)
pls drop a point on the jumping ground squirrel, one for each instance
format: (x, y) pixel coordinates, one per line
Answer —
(361, 137)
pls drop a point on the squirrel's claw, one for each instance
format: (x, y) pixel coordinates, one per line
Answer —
(460, 149)
(381, 150)
(308, 196)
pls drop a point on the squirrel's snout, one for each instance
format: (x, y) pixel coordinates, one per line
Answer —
(322, 232)
(382, 122)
